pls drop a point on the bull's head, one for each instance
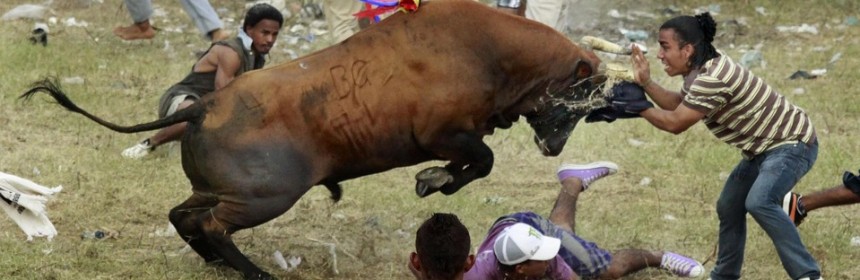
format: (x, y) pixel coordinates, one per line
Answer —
(564, 104)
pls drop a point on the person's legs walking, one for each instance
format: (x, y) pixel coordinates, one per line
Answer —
(779, 171)
(140, 11)
(733, 226)
(205, 18)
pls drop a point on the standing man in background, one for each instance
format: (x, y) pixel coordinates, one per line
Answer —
(340, 16)
(548, 12)
(200, 11)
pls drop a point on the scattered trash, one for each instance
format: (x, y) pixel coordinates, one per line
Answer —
(751, 58)
(40, 34)
(72, 22)
(671, 11)
(614, 14)
(93, 235)
(168, 231)
(28, 11)
(311, 11)
(801, 74)
(99, 234)
(851, 21)
(714, 9)
(24, 201)
(635, 142)
(803, 28)
(331, 249)
(288, 264)
(669, 217)
(634, 35)
(834, 59)
(402, 233)
(855, 241)
(36, 171)
(645, 181)
(798, 91)
(760, 10)
(76, 80)
(493, 200)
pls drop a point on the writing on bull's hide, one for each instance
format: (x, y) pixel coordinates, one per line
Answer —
(347, 114)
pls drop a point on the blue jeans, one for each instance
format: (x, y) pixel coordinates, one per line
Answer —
(757, 186)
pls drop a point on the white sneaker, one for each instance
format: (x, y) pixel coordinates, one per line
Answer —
(139, 150)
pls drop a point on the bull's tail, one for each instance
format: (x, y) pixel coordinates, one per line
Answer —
(52, 87)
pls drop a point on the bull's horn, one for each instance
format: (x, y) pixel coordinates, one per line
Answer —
(618, 71)
(610, 47)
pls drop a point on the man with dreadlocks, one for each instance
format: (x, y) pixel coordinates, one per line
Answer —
(777, 140)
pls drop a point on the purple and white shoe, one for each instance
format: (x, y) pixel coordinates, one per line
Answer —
(588, 173)
(681, 266)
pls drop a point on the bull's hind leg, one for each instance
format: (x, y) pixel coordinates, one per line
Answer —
(228, 217)
(470, 159)
(186, 219)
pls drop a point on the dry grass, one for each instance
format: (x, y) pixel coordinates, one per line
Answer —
(373, 227)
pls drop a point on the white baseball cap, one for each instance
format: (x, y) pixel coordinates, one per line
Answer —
(521, 242)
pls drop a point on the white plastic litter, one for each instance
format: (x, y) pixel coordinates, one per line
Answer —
(24, 201)
(645, 181)
(635, 142)
(288, 264)
(30, 11)
(855, 241)
(803, 28)
(76, 80)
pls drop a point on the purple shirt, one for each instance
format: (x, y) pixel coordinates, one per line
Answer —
(487, 267)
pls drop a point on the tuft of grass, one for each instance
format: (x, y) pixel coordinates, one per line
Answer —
(373, 227)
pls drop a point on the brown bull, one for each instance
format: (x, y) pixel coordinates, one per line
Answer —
(423, 86)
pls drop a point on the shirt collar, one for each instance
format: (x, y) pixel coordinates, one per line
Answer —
(246, 40)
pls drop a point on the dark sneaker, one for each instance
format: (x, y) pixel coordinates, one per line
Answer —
(588, 173)
(793, 207)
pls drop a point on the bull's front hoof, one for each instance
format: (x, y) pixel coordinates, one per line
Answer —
(430, 180)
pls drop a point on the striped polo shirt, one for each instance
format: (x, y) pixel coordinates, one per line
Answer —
(742, 110)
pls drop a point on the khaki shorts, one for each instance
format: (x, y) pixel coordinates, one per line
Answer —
(170, 100)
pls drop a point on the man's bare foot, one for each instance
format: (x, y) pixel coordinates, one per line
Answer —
(219, 35)
(135, 31)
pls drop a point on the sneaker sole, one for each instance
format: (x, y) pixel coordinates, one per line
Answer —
(613, 168)
(789, 204)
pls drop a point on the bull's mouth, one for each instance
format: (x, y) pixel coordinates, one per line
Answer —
(553, 127)
(565, 108)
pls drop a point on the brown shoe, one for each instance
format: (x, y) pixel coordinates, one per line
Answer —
(219, 35)
(137, 31)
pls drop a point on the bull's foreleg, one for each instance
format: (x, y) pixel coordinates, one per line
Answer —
(470, 159)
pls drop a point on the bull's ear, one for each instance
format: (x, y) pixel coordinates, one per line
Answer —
(583, 70)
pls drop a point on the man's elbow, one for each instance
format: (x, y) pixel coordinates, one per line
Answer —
(676, 129)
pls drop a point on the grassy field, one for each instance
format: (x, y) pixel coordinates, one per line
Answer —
(373, 226)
